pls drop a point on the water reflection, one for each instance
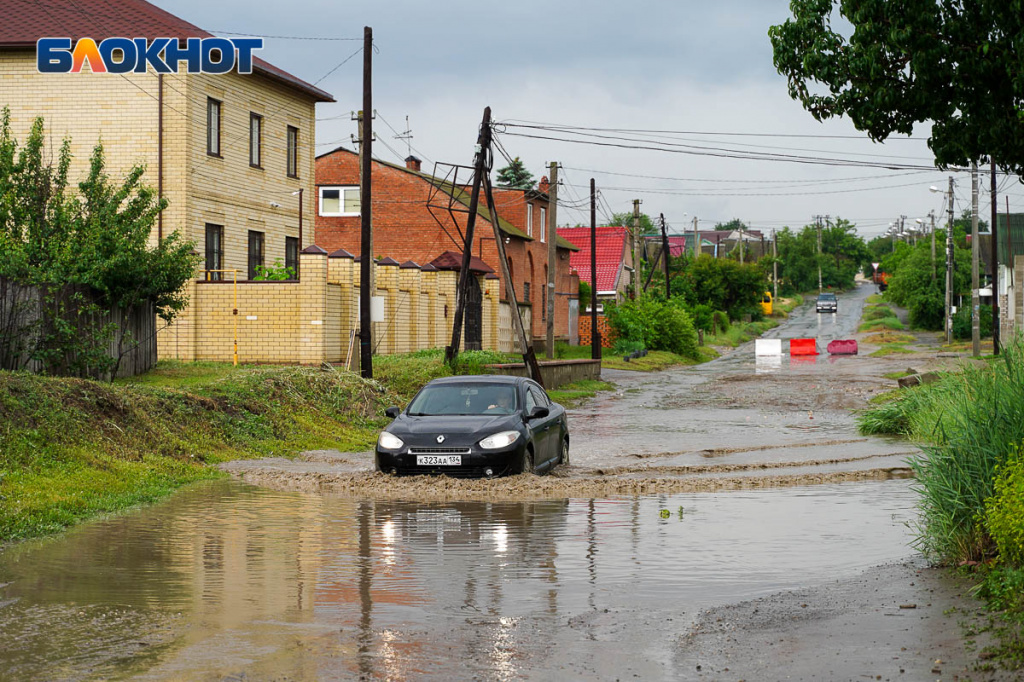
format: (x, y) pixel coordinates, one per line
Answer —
(225, 580)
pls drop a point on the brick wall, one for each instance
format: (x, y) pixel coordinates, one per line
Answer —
(405, 229)
(607, 334)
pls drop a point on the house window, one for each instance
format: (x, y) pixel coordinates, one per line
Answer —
(255, 252)
(212, 127)
(293, 152)
(255, 140)
(543, 224)
(339, 201)
(526, 292)
(529, 220)
(214, 251)
(291, 254)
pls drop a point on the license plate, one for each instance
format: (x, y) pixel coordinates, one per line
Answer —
(439, 460)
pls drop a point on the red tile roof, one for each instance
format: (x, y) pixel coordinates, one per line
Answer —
(26, 21)
(611, 248)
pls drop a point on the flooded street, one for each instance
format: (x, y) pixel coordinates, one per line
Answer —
(689, 490)
(229, 582)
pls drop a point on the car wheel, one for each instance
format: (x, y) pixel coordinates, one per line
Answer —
(564, 458)
(525, 465)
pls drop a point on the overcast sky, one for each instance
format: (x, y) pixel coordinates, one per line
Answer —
(703, 69)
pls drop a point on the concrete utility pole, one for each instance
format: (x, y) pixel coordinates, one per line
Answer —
(949, 265)
(549, 350)
(975, 252)
(366, 216)
(743, 244)
(931, 214)
(696, 239)
(665, 257)
(636, 248)
(995, 266)
(595, 334)
(818, 221)
(775, 267)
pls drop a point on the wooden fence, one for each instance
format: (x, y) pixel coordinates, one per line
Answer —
(21, 331)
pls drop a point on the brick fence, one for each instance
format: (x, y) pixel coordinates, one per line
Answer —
(603, 328)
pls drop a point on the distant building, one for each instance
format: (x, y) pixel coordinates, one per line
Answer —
(614, 258)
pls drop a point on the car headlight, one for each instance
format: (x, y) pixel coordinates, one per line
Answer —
(499, 440)
(389, 441)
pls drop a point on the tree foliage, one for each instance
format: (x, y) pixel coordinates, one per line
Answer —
(625, 219)
(955, 64)
(843, 254)
(515, 175)
(67, 259)
(655, 324)
(721, 284)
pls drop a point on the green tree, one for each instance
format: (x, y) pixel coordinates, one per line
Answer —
(625, 219)
(955, 64)
(515, 175)
(843, 254)
(722, 284)
(68, 258)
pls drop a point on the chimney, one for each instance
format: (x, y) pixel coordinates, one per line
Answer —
(412, 163)
(543, 184)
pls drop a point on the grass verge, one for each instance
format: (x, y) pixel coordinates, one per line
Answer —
(572, 395)
(72, 448)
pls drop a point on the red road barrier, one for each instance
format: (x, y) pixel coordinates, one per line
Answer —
(803, 347)
(842, 347)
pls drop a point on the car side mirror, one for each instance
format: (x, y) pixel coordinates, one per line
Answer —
(393, 412)
(538, 412)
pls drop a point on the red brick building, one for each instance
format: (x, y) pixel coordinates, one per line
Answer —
(406, 229)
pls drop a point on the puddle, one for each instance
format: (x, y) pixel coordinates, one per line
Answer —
(226, 581)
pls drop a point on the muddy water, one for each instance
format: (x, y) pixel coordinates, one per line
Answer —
(231, 582)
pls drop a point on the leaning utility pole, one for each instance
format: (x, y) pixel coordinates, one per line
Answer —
(483, 147)
(366, 216)
(995, 266)
(551, 227)
(595, 334)
(636, 247)
(975, 252)
(529, 358)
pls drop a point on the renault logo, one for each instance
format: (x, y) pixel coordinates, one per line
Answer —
(440, 439)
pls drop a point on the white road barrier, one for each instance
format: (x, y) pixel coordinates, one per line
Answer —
(768, 347)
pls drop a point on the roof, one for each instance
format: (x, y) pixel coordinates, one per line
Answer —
(26, 21)
(679, 244)
(611, 249)
(459, 194)
(452, 260)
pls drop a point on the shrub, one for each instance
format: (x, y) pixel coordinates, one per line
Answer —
(962, 322)
(655, 325)
(625, 347)
(1004, 511)
(703, 316)
(719, 322)
(675, 332)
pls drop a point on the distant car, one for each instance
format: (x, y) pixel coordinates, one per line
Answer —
(475, 426)
(826, 303)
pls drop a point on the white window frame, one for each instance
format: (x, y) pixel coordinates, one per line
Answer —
(543, 224)
(529, 220)
(342, 189)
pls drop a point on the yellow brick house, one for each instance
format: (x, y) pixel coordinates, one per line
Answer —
(232, 153)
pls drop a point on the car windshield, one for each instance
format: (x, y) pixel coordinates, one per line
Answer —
(465, 399)
(826, 297)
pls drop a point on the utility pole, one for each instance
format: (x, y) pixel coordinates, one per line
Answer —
(775, 267)
(552, 258)
(483, 146)
(636, 247)
(995, 266)
(818, 221)
(975, 252)
(949, 265)
(665, 256)
(595, 334)
(931, 214)
(742, 244)
(696, 239)
(365, 213)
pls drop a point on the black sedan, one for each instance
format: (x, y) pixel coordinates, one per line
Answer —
(475, 426)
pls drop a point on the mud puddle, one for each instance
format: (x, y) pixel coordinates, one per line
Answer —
(227, 581)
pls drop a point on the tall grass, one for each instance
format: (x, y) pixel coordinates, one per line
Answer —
(968, 423)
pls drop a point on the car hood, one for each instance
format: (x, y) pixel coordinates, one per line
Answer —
(449, 425)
